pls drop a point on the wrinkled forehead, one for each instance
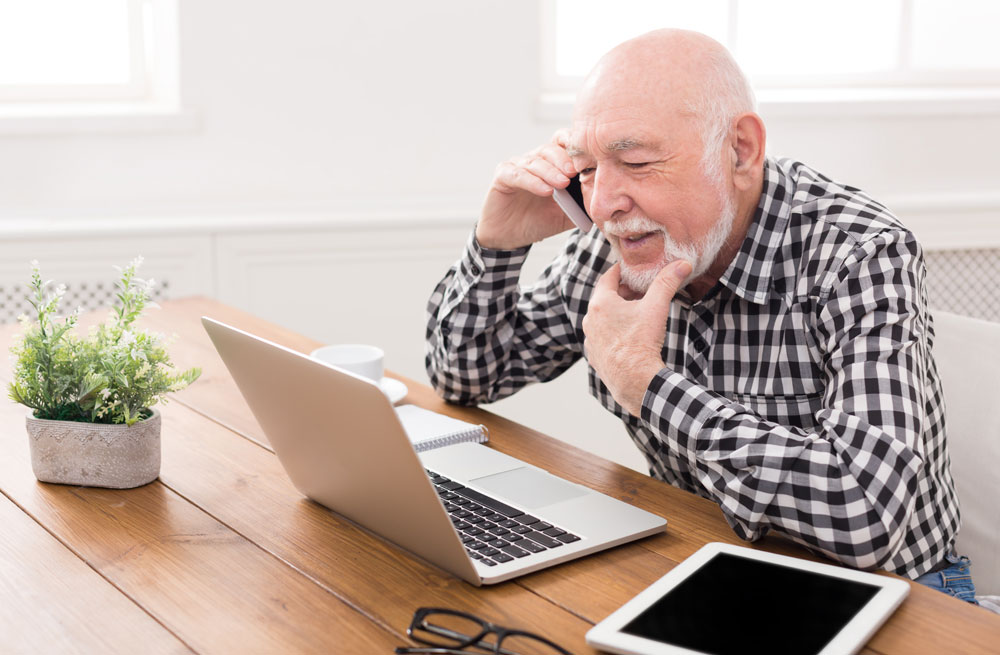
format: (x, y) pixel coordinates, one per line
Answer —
(620, 128)
(626, 112)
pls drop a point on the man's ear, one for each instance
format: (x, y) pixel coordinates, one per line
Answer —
(748, 144)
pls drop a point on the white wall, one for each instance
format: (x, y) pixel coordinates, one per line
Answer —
(322, 118)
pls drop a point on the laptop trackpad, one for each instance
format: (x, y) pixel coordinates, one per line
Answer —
(530, 488)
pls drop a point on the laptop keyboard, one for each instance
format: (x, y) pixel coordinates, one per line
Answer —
(494, 532)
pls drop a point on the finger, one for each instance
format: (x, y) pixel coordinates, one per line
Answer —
(510, 177)
(547, 171)
(560, 158)
(664, 287)
(561, 137)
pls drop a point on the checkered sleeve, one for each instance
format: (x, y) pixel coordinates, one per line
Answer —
(848, 487)
(487, 337)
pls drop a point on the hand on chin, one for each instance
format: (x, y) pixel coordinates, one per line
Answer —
(622, 340)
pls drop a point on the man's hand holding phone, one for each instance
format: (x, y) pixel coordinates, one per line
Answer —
(519, 208)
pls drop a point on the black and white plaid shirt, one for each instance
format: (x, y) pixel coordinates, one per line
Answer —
(800, 393)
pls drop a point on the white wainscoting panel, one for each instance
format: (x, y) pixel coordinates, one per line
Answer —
(181, 264)
(343, 284)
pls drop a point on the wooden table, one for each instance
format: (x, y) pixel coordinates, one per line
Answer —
(223, 555)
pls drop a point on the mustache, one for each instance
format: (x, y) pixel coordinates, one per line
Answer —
(632, 225)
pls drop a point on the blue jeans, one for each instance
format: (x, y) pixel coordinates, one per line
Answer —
(956, 580)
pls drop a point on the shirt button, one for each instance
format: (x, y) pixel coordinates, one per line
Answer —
(474, 269)
(700, 345)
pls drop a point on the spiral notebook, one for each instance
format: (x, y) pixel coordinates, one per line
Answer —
(428, 430)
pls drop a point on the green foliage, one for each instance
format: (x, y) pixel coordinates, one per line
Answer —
(113, 375)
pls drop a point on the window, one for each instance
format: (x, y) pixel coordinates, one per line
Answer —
(73, 58)
(878, 45)
(60, 49)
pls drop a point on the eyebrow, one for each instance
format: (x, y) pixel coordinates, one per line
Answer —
(625, 144)
(619, 145)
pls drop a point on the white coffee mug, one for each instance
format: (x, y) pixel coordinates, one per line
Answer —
(360, 359)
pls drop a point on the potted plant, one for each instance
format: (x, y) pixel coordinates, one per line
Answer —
(92, 420)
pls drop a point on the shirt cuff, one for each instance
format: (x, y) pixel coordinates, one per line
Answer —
(485, 271)
(677, 409)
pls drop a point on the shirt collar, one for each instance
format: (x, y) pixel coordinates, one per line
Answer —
(749, 274)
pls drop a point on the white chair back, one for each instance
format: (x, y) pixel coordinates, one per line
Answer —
(967, 352)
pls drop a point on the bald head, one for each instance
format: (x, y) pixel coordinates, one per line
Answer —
(673, 72)
(664, 63)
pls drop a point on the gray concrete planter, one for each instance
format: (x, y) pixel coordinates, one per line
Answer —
(95, 454)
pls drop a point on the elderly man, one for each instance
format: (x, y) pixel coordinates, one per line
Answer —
(761, 330)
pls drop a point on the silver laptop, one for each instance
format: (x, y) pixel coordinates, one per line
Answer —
(471, 510)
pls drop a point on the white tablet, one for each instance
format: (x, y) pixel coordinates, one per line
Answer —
(728, 599)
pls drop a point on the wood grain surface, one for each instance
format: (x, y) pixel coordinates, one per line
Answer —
(222, 554)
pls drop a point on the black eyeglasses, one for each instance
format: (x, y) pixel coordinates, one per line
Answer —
(450, 632)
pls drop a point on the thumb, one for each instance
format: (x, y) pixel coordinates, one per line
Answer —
(667, 282)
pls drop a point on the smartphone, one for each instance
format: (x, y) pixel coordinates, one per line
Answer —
(570, 200)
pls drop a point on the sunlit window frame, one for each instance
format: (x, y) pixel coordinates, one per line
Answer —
(140, 24)
(903, 90)
(150, 102)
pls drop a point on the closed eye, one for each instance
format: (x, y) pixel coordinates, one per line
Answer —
(637, 164)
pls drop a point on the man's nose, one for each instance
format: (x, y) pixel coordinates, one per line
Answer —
(608, 198)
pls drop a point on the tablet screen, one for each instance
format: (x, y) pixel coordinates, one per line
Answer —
(732, 603)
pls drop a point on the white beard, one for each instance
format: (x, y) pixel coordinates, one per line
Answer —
(700, 256)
